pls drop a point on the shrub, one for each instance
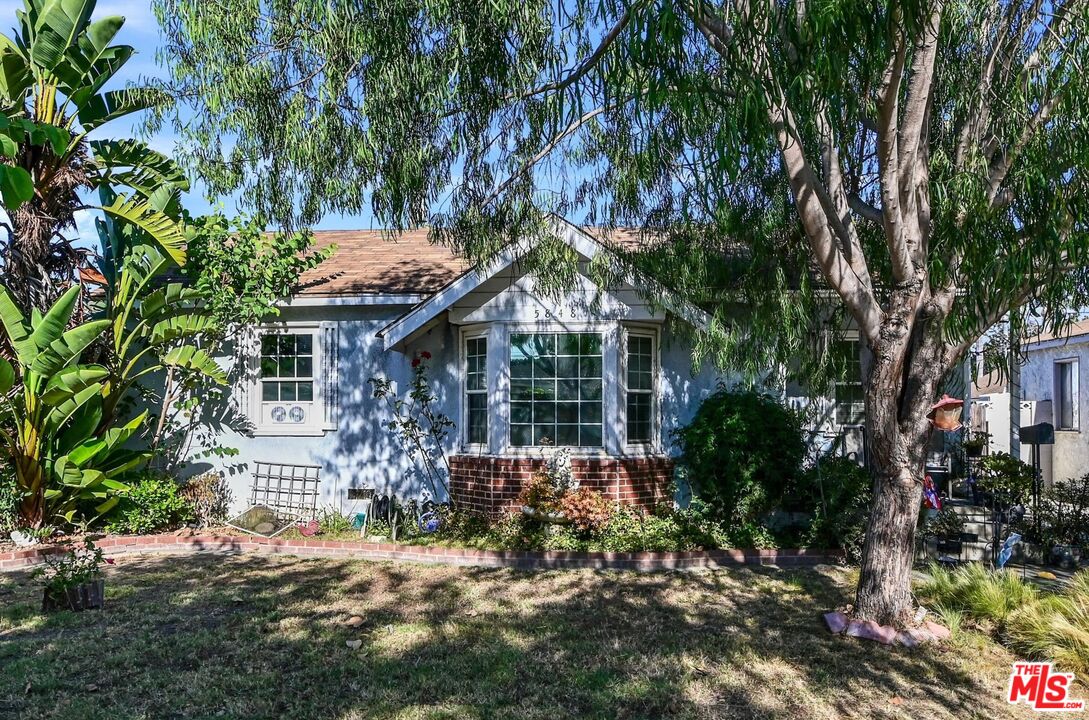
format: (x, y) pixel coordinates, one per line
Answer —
(209, 498)
(982, 594)
(1007, 477)
(541, 493)
(1064, 513)
(947, 523)
(743, 450)
(588, 510)
(838, 494)
(153, 503)
(9, 502)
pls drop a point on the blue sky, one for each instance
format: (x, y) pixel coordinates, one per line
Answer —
(142, 32)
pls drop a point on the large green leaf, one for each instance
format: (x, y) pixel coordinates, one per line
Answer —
(15, 77)
(66, 349)
(113, 58)
(181, 326)
(64, 411)
(166, 232)
(188, 357)
(17, 328)
(101, 109)
(92, 45)
(7, 376)
(59, 23)
(71, 381)
(81, 424)
(16, 187)
(51, 325)
(149, 169)
(170, 295)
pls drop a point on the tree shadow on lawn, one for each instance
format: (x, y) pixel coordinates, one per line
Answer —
(257, 637)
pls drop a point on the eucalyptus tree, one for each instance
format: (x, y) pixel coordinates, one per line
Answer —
(919, 165)
(54, 72)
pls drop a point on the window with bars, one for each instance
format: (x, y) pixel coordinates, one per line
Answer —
(287, 368)
(849, 396)
(555, 389)
(476, 390)
(640, 388)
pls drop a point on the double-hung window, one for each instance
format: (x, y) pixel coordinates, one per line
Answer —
(849, 397)
(287, 379)
(1066, 395)
(555, 389)
(476, 390)
(640, 388)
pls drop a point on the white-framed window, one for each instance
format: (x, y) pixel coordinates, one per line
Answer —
(850, 399)
(1066, 395)
(287, 398)
(640, 373)
(476, 389)
(556, 389)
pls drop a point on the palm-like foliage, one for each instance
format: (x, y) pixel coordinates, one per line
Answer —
(48, 422)
(53, 72)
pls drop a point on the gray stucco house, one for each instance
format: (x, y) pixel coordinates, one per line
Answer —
(599, 370)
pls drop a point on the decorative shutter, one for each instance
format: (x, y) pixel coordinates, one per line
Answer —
(244, 373)
(330, 374)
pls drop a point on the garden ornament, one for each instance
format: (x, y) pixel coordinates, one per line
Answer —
(945, 414)
(1007, 549)
(930, 494)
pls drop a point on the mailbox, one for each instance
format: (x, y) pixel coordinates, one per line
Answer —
(1039, 434)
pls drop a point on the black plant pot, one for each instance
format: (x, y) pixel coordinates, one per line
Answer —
(88, 596)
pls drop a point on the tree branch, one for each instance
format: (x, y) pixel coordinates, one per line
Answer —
(888, 99)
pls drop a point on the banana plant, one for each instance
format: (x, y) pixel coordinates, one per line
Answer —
(156, 326)
(51, 406)
(53, 74)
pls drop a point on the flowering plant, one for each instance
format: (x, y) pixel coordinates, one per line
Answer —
(419, 428)
(82, 563)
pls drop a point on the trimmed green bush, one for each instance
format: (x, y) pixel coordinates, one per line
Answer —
(744, 452)
(153, 503)
(9, 501)
(838, 494)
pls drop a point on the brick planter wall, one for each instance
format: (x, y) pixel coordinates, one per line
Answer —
(490, 485)
(13, 559)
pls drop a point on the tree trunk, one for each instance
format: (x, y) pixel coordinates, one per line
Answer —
(900, 389)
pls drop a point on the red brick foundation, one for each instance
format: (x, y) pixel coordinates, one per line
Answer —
(491, 485)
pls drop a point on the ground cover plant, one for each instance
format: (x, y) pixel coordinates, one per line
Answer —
(262, 637)
(1039, 624)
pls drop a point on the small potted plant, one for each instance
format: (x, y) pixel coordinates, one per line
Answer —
(974, 443)
(74, 580)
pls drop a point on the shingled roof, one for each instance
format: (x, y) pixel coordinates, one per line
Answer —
(374, 262)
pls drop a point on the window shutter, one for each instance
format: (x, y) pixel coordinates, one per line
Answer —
(330, 374)
(244, 374)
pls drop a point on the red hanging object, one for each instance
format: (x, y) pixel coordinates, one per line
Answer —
(945, 414)
(930, 494)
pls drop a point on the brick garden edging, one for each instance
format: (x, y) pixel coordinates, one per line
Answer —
(530, 560)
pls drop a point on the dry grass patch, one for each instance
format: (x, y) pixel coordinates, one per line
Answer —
(257, 637)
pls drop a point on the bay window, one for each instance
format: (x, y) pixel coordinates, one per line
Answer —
(476, 390)
(556, 389)
(640, 388)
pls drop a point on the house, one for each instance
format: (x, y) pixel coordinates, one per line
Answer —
(600, 370)
(1051, 378)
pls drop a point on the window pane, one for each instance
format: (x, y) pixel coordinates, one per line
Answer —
(268, 345)
(521, 435)
(285, 366)
(286, 344)
(268, 367)
(590, 435)
(639, 417)
(287, 391)
(304, 344)
(270, 392)
(304, 367)
(306, 391)
(546, 388)
(478, 418)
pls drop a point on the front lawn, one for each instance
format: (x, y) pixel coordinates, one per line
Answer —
(265, 637)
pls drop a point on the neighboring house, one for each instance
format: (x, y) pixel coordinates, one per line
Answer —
(1054, 370)
(599, 370)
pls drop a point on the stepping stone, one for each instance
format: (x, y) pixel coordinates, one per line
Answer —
(913, 637)
(837, 622)
(869, 630)
(354, 621)
(354, 644)
(940, 632)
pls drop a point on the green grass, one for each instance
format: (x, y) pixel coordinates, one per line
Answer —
(259, 637)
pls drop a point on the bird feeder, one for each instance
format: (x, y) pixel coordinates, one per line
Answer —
(945, 414)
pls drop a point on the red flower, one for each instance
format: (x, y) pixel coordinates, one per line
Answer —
(425, 355)
(415, 362)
